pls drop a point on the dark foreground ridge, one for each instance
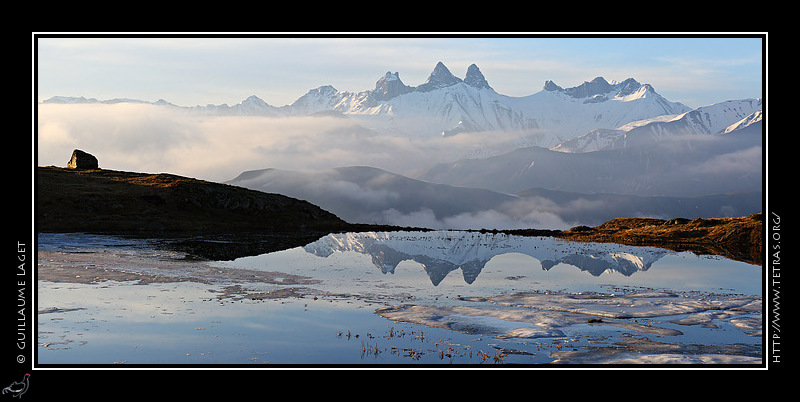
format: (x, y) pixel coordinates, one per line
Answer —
(220, 221)
(208, 220)
(117, 202)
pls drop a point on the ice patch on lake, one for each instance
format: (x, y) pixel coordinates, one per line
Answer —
(616, 318)
(545, 320)
(635, 305)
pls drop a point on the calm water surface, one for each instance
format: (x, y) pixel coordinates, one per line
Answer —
(401, 298)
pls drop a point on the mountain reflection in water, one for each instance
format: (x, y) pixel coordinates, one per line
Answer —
(441, 252)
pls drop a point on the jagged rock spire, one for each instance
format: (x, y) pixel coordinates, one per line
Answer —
(390, 86)
(440, 77)
(475, 78)
(594, 87)
(551, 86)
(628, 87)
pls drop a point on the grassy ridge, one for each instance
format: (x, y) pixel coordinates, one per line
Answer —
(735, 238)
(116, 202)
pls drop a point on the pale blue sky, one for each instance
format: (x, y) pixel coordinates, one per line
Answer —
(197, 70)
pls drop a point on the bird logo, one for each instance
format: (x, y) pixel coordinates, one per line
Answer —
(17, 388)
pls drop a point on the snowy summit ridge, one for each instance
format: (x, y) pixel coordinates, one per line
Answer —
(447, 105)
(598, 89)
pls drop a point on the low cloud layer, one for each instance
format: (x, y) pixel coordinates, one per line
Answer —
(153, 139)
(486, 219)
(149, 138)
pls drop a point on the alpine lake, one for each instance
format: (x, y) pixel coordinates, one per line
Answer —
(419, 299)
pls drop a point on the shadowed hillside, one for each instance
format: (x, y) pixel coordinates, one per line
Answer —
(116, 202)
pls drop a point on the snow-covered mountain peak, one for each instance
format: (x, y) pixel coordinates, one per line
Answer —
(597, 86)
(316, 100)
(446, 105)
(254, 100)
(253, 105)
(324, 90)
(441, 77)
(475, 78)
(390, 86)
(630, 86)
(714, 119)
(389, 78)
(748, 121)
(719, 118)
(600, 90)
(551, 86)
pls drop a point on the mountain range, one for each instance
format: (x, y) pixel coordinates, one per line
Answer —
(441, 252)
(578, 155)
(447, 105)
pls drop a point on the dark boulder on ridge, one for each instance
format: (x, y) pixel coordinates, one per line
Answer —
(82, 160)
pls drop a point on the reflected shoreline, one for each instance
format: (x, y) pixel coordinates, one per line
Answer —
(738, 239)
(438, 252)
